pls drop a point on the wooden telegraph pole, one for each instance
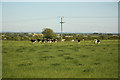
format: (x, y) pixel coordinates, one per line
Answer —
(61, 28)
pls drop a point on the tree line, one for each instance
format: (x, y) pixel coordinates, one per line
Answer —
(49, 34)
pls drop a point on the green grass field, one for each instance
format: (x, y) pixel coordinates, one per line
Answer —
(22, 59)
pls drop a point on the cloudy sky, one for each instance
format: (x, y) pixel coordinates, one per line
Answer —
(78, 16)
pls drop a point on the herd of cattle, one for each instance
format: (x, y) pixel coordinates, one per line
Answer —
(43, 40)
(96, 41)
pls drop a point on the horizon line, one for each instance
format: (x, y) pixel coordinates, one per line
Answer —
(54, 32)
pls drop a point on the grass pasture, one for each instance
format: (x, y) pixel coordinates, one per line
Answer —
(22, 59)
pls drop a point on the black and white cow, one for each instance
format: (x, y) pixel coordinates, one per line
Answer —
(97, 41)
(38, 40)
(43, 40)
(47, 40)
(55, 40)
(33, 40)
(78, 41)
(52, 40)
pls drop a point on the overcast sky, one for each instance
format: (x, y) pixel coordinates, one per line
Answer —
(59, 0)
(78, 16)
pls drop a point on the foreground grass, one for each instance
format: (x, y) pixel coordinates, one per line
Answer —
(22, 59)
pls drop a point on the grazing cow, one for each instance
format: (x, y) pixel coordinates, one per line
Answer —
(43, 41)
(52, 40)
(73, 40)
(33, 40)
(38, 40)
(95, 41)
(48, 40)
(98, 41)
(55, 40)
(63, 40)
(78, 41)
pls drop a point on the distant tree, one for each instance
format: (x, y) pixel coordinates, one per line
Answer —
(48, 33)
(109, 34)
(95, 33)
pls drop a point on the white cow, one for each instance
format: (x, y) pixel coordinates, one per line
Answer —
(73, 40)
(63, 40)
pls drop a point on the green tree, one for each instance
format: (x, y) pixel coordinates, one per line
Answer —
(48, 33)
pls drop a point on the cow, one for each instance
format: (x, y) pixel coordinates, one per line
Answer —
(73, 40)
(38, 40)
(97, 41)
(50, 40)
(55, 40)
(43, 40)
(33, 40)
(63, 40)
(47, 40)
(78, 41)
